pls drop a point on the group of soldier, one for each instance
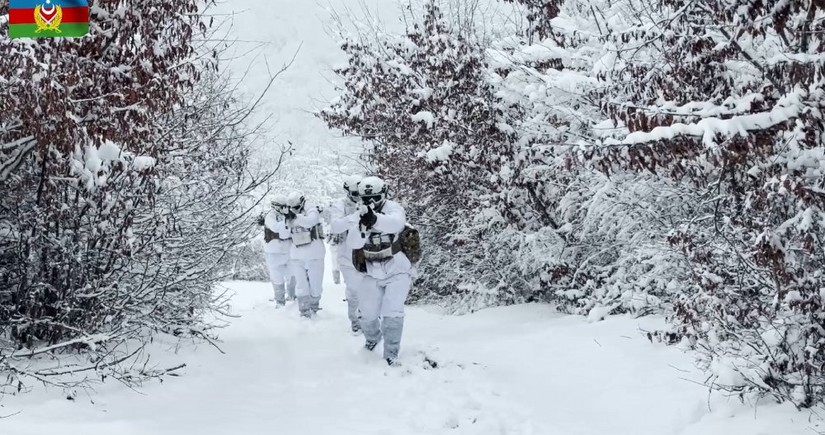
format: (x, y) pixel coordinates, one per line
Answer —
(371, 250)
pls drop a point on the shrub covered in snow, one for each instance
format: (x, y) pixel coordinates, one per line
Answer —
(609, 228)
(123, 167)
(639, 156)
(731, 107)
(436, 133)
(508, 211)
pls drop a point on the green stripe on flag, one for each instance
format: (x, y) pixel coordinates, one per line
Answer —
(67, 30)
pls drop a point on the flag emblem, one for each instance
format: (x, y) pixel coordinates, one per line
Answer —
(48, 18)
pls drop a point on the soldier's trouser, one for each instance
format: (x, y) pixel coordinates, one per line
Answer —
(309, 279)
(353, 280)
(384, 298)
(290, 286)
(278, 265)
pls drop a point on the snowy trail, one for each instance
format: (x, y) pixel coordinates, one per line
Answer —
(517, 370)
(520, 370)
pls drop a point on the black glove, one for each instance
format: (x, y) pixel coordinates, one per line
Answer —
(290, 215)
(368, 219)
(261, 220)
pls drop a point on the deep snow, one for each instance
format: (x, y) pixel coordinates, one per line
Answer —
(517, 370)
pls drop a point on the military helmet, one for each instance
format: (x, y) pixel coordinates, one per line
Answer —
(351, 186)
(372, 191)
(296, 201)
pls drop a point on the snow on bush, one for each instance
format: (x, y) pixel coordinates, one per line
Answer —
(123, 167)
(506, 216)
(632, 156)
(436, 133)
(725, 100)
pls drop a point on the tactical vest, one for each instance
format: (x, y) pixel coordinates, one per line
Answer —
(382, 247)
(303, 236)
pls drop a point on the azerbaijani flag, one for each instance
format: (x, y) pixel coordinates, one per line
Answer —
(48, 18)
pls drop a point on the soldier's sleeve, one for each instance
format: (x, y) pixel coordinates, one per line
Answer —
(355, 240)
(391, 219)
(340, 223)
(283, 231)
(269, 222)
(308, 219)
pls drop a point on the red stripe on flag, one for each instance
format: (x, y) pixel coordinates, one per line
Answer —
(70, 15)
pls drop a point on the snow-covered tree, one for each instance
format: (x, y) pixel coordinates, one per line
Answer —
(726, 99)
(125, 180)
(702, 122)
(534, 223)
(602, 239)
(706, 119)
(435, 131)
(647, 155)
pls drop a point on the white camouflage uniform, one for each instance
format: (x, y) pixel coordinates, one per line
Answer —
(386, 283)
(341, 223)
(307, 260)
(277, 257)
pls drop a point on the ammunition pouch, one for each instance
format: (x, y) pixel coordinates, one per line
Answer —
(410, 242)
(373, 254)
(382, 252)
(305, 237)
(382, 247)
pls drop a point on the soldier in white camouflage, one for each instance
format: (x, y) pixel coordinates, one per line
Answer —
(341, 225)
(277, 245)
(388, 272)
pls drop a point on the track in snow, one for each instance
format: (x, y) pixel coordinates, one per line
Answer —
(284, 374)
(515, 371)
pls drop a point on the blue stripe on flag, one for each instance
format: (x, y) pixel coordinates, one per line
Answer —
(31, 4)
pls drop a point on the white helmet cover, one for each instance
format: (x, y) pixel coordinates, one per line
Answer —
(278, 200)
(372, 190)
(296, 200)
(351, 183)
(351, 186)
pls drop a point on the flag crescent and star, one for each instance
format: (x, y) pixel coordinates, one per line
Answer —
(48, 18)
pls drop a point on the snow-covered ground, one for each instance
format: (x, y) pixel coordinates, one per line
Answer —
(517, 370)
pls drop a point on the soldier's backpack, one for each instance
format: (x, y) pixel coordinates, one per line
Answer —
(359, 260)
(410, 243)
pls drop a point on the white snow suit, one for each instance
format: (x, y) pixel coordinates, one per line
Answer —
(276, 252)
(307, 260)
(333, 245)
(334, 249)
(386, 283)
(344, 219)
